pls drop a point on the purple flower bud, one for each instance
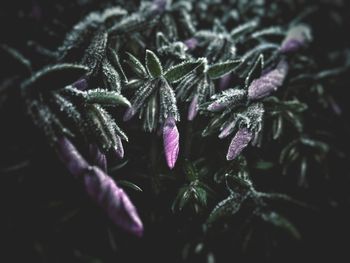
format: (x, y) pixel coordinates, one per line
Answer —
(81, 84)
(71, 158)
(217, 106)
(119, 149)
(225, 81)
(193, 109)
(160, 5)
(227, 130)
(130, 112)
(98, 158)
(104, 191)
(191, 43)
(171, 141)
(269, 82)
(296, 38)
(238, 143)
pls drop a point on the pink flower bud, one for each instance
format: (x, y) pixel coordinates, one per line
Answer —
(238, 143)
(269, 82)
(104, 191)
(171, 141)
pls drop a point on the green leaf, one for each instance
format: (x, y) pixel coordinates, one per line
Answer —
(263, 165)
(137, 66)
(178, 72)
(56, 77)
(219, 70)
(130, 185)
(8, 55)
(153, 65)
(191, 171)
(114, 58)
(105, 97)
(227, 207)
(255, 71)
(281, 222)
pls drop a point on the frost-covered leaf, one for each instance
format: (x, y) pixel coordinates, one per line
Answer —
(137, 66)
(219, 70)
(153, 64)
(178, 72)
(55, 77)
(104, 97)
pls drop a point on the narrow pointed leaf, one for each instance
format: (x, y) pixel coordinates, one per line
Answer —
(153, 65)
(178, 72)
(219, 70)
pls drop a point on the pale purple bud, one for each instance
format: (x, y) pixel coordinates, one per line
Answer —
(227, 130)
(130, 112)
(225, 82)
(160, 5)
(238, 143)
(269, 82)
(71, 158)
(104, 191)
(81, 84)
(193, 108)
(296, 38)
(191, 43)
(217, 106)
(171, 141)
(98, 158)
(119, 149)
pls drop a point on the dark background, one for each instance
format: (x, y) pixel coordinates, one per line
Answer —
(46, 217)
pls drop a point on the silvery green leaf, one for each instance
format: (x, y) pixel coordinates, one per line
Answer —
(143, 94)
(130, 185)
(153, 65)
(162, 40)
(114, 59)
(55, 77)
(104, 97)
(80, 33)
(178, 72)
(97, 128)
(242, 29)
(95, 53)
(227, 207)
(111, 77)
(168, 107)
(218, 70)
(137, 66)
(151, 111)
(274, 30)
(255, 71)
(70, 112)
